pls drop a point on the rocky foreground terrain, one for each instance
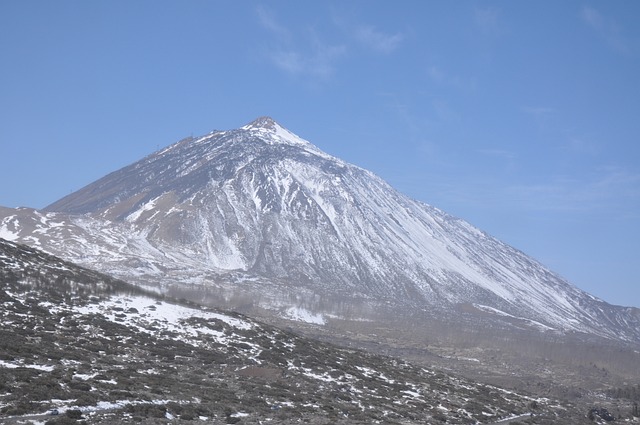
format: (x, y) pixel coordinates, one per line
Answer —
(79, 347)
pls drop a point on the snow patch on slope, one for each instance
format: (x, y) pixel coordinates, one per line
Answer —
(303, 315)
(143, 313)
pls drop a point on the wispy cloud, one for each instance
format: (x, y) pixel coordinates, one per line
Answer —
(611, 189)
(304, 51)
(606, 28)
(443, 111)
(498, 153)
(440, 76)
(288, 60)
(619, 180)
(610, 193)
(269, 22)
(582, 146)
(543, 116)
(377, 40)
(487, 19)
(301, 54)
(436, 74)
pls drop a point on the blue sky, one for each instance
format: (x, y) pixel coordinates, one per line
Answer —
(519, 117)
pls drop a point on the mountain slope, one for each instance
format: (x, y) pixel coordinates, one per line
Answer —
(87, 345)
(261, 205)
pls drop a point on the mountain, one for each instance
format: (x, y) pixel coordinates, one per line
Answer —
(79, 345)
(260, 214)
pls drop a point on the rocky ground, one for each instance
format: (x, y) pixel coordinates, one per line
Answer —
(96, 350)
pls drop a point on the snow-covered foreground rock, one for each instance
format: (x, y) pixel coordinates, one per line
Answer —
(84, 344)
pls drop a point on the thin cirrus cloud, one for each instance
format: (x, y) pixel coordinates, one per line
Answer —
(571, 194)
(319, 62)
(299, 54)
(487, 19)
(543, 116)
(377, 40)
(306, 53)
(606, 28)
(441, 77)
(581, 146)
(498, 153)
(269, 22)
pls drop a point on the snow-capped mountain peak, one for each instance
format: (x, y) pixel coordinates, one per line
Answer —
(262, 203)
(269, 131)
